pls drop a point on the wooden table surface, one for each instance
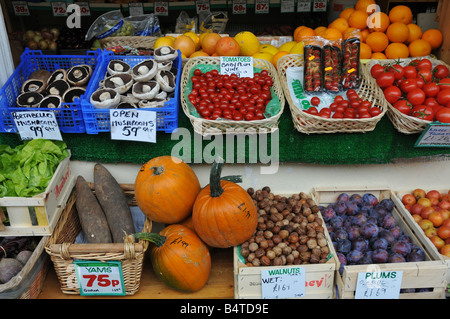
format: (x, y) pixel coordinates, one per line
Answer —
(220, 283)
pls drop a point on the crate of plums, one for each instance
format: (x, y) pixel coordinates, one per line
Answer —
(378, 255)
(290, 253)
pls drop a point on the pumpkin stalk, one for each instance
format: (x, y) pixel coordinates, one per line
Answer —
(214, 178)
(156, 239)
(157, 170)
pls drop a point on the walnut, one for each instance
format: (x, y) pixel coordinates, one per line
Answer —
(311, 243)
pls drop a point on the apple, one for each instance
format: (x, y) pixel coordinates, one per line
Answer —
(419, 193)
(408, 199)
(425, 224)
(433, 194)
(438, 242)
(436, 218)
(444, 204)
(426, 212)
(417, 218)
(445, 250)
(443, 232)
(430, 232)
(425, 202)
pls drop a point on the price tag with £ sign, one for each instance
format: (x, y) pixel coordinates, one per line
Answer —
(98, 278)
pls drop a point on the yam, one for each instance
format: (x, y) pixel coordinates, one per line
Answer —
(114, 203)
(92, 218)
(9, 267)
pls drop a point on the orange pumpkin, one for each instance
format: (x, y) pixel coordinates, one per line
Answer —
(224, 214)
(179, 257)
(165, 189)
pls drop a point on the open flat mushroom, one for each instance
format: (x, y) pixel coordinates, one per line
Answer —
(105, 99)
(126, 105)
(166, 80)
(51, 102)
(73, 93)
(118, 67)
(145, 90)
(79, 75)
(165, 53)
(165, 65)
(119, 82)
(40, 74)
(29, 99)
(59, 74)
(145, 70)
(34, 85)
(58, 87)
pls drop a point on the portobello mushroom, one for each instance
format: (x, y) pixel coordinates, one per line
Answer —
(58, 87)
(144, 71)
(119, 82)
(33, 85)
(51, 101)
(41, 74)
(59, 74)
(105, 99)
(71, 94)
(166, 80)
(126, 105)
(79, 75)
(145, 90)
(118, 67)
(29, 99)
(157, 101)
(165, 65)
(165, 53)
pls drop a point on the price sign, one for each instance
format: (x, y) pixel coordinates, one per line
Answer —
(435, 135)
(136, 8)
(287, 6)
(303, 5)
(99, 278)
(85, 9)
(59, 9)
(133, 125)
(202, 6)
(20, 8)
(261, 6)
(37, 124)
(378, 285)
(283, 283)
(320, 6)
(242, 66)
(239, 6)
(161, 8)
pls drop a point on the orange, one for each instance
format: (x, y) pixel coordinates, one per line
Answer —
(364, 34)
(346, 13)
(397, 51)
(277, 56)
(378, 56)
(319, 30)
(362, 5)
(365, 52)
(185, 44)
(397, 32)
(352, 33)
(194, 38)
(297, 30)
(419, 47)
(332, 34)
(227, 46)
(198, 53)
(378, 21)
(434, 37)
(304, 33)
(377, 41)
(209, 42)
(358, 20)
(415, 32)
(401, 13)
(340, 23)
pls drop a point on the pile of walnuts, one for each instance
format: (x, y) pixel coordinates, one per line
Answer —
(289, 231)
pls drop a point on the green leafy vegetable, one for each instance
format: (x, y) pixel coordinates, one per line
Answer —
(27, 169)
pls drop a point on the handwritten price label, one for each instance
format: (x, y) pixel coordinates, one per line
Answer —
(99, 278)
(287, 6)
(59, 9)
(435, 134)
(133, 125)
(378, 285)
(239, 6)
(161, 8)
(37, 124)
(283, 283)
(136, 9)
(20, 8)
(262, 6)
(202, 6)
(320, 6)
(304, 6)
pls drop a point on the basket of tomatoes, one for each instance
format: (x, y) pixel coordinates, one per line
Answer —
(417, 91)
(219, 103)
(335, 109)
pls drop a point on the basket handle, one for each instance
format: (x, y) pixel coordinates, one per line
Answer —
(66, 249)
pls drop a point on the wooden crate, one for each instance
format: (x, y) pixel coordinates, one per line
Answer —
(430, 273)
(319, 278)
(37, 215)
(416, 228)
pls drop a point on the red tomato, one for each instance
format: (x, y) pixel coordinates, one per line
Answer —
(312, 110)
(374, 111)
(431, 89)
(385, 79)
(376, 70)
(338, 98)
(364, 115)
(444, 84)
(425, 74)
(440, 71)
(338, 115)
(392, 94)
(325, 112)
(443, 115)
(408, 85)
(423, 112)
(431, 101)
(333, 106)
(352, 93)
(443, 97)
(398, 71)
(410, 72)
(424, 64)
(403, 106)
(420, 82)
(315, 101)
(416, 97)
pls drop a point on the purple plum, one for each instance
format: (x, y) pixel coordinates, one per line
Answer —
(343, 197)
(336, 222)
(354, 256)
(342, 259)
(380, 243)
(396, 258)
(352, 208)
(356, 198)
(344, 246)
(386, 234)
(379, 211)
(359, 219)
(353, 232)
(380, 256)
(369, 230)
(396, 231)
(360, 244)
(366, 258)
(340, 208)
(405, 238)
(340, 233)
(388, 204)
(370, 199)
(401, 248)
(328, 214)
(416, 255)
(388, 221)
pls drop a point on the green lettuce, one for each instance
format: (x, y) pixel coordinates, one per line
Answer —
(27, 169)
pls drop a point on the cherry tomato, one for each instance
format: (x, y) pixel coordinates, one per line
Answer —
(431, 89)
(197, 72)
(423, 112)
(364, 115)
(408, 85)
(315, 101)
(249, 116)
(351, 92)
(398, 71)
(425, 74)
(431, 101)
(366, 103)
(444, 84)
(420, 82)
(410, 72)
(443, 97)
(385, 79)
(416, 97)
(392, 94)
(403, 106)
(443, 115)
(376, 70)
(338, 115)
(424, 64)
(338, 98)
(374, 111)
(312, 111)
(440, 71)
(362, 109)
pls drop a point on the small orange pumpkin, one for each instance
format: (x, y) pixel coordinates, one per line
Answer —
(165, 189)
(224, 214)
(179, 257)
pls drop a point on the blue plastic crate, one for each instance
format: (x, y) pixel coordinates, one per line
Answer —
(98, 120)
(70, 115)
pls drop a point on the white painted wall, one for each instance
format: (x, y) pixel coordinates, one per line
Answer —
(6, 60)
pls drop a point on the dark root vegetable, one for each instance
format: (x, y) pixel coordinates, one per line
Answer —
(9, 267)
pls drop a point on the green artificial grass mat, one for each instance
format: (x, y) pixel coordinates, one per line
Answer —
(383, 145)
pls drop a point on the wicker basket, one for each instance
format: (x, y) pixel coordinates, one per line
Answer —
(206, 127)
(63, 251)
(307, 123)
(135, 42)
(404, 123)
